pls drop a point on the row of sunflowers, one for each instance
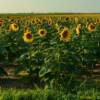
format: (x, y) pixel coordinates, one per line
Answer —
(64, 32)
(50, 47)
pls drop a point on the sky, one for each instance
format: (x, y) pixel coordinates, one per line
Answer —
(43, 6)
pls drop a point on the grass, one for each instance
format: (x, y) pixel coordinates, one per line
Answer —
(86, 90)
(47, 94)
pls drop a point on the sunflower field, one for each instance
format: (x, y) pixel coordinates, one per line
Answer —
(50, 47)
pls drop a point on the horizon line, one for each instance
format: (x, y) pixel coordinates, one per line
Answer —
(49, 12)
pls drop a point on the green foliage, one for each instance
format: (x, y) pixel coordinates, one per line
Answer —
(47, 57)
(47, 94)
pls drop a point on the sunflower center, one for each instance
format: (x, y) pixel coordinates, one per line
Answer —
(67, 18)
(92, 26)
(42, 32)
(15, 25)
(1, 21)
(29, 36)
(65, 34)
(97, 20)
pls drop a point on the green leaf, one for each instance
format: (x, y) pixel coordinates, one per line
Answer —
(44, 71)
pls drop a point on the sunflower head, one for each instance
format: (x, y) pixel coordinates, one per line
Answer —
(14, 27)
(78, 29)
(98, 20)
(27, 29)
(49, 22)
(1, 22)
(27, 37)
(58, 27)
(65, 35)
(91, 27)
(76, 19)
(67, 18)
(42, 32)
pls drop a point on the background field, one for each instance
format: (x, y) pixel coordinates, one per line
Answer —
(50, 52)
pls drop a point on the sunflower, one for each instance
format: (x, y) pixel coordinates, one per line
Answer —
(14, 27)
(98, 21)
(58, 27)
(27, 29)
(78, 29)
(42, 32)
(27, 37)
(76, 19)
(1, 22)
(65, 35)
(50, 22)
(67, 18)
(91, 27)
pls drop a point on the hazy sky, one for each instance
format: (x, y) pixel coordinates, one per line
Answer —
(9, 6)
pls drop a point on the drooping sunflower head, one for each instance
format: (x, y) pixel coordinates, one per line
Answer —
(49, 22)
(58, 27)
(1, 22)
(67, 18)
(98, 20)
(27, 37)
(65, 35)
(76, 20)
(14, 27)
(91, 27)
(42, 32)
(37, 21)
(78, 29)
(27, 29)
